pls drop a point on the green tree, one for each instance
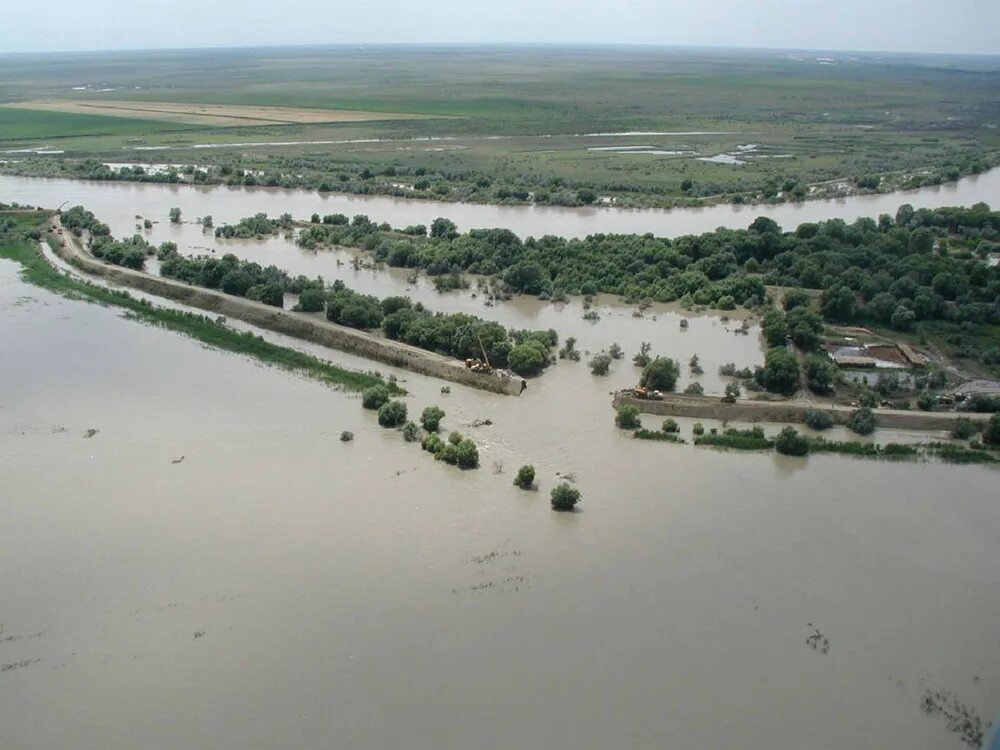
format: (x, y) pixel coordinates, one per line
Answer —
(525, 478)
(269, 294)
(791, 443)
(444, 229)
(627, 418)
(431, 418)
(600, 364)
(902, 318)
(374, 397)
(564, 497)
(817, 420)
(862, 421)
(795, 298)
(175, 215)
(392, 414)
(820, 373)
(991, 435)
(312, 299)
(781, 371)
(838, 303)
(963, 429)
(660, 375)
(528, 358)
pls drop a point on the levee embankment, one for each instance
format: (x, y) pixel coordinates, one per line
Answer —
(304, 326)
(791, 411)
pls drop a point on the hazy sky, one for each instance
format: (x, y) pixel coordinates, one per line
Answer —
(960, 26)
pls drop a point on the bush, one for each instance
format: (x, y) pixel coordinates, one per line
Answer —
(926, 401)
(781, 371)
(528, 358)
(460, 452)
(821, 373)
(525, 478)
(963, 429)
(392, 414)
(670, 425)
(698, 429)
(346, 436)
(410, 432)
(175, 216)
(817, 420)
(431, 418)
(660, 374)
(269, 294)
(694, 389)
(374, 397)
(312, 299)
(991, 435)
(600, 364)
(627, 418)
(862, 421)
(564, 497)
(791, 443)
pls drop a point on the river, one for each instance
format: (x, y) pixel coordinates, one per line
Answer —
(279, 588)
(115, 202)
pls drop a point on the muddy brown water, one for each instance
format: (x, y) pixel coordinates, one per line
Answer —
(279, 588)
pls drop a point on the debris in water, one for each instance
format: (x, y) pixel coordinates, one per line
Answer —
(177, 460)
(817, 641)
(198, 634)
(962, 720)
(480, 423)
(90, 433)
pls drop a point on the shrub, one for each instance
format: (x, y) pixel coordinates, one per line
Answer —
(862, 421)
(431, 418)
(346, 436)
(627, 418)
(392, 414)
(642, 358)
(600, 364)
(312, 299)
(694, 389)
(525, 478)
(410, 432)
(670, 425)
(564, 497)
(615, 351)
(698, 429)
(991, 435)
(926, 401)
(458, 451)
(175, 216)
(374, 397)
(818, 420)
(660, 374)
(963, 429)
(791, 443)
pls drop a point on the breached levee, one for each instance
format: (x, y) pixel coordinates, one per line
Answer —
(793, 412)
(299, 325)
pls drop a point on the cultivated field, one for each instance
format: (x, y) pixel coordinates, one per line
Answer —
(224, 115)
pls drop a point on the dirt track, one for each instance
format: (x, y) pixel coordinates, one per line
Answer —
(299, 325)
(712, 407)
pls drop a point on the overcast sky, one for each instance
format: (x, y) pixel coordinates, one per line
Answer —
(958, 26)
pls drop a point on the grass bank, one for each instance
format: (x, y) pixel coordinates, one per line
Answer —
(36, 270)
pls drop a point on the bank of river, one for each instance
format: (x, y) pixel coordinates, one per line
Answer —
(116, 203)
(278, 587)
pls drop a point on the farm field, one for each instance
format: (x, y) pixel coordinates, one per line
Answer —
(563, 125)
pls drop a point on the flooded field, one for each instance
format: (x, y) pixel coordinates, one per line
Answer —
(213, 567)
(116, 203)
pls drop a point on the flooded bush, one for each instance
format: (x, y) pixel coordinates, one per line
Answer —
(659, 435)
(174, 215)
(410, 432)
(374, 397)
(660, 375)
(392, 414)
(600, 364)
(346, 436)
(615, 351)
(642, 358)
(564, 497)
(670, 425)
(525, 478)
(698, 429)
(627, 418)
(694, 389)
(431, 418)
(745, 440)
(790, 443)
(862, 421)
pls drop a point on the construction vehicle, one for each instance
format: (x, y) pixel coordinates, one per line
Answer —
(647, 395)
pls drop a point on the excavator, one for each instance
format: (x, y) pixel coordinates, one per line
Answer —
(481, 366)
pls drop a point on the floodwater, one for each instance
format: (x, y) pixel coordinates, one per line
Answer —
(117, 202)
(279, 588)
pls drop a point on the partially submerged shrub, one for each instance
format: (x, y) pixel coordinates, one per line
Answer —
(374, 397)
(564, 497)
(525, 478)
(670, 425)
(627, 418)
(346, 436)
(698, 429)
(600, 364)
(791, 443)
(392, 414)
(410, 432)
(431, 418)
